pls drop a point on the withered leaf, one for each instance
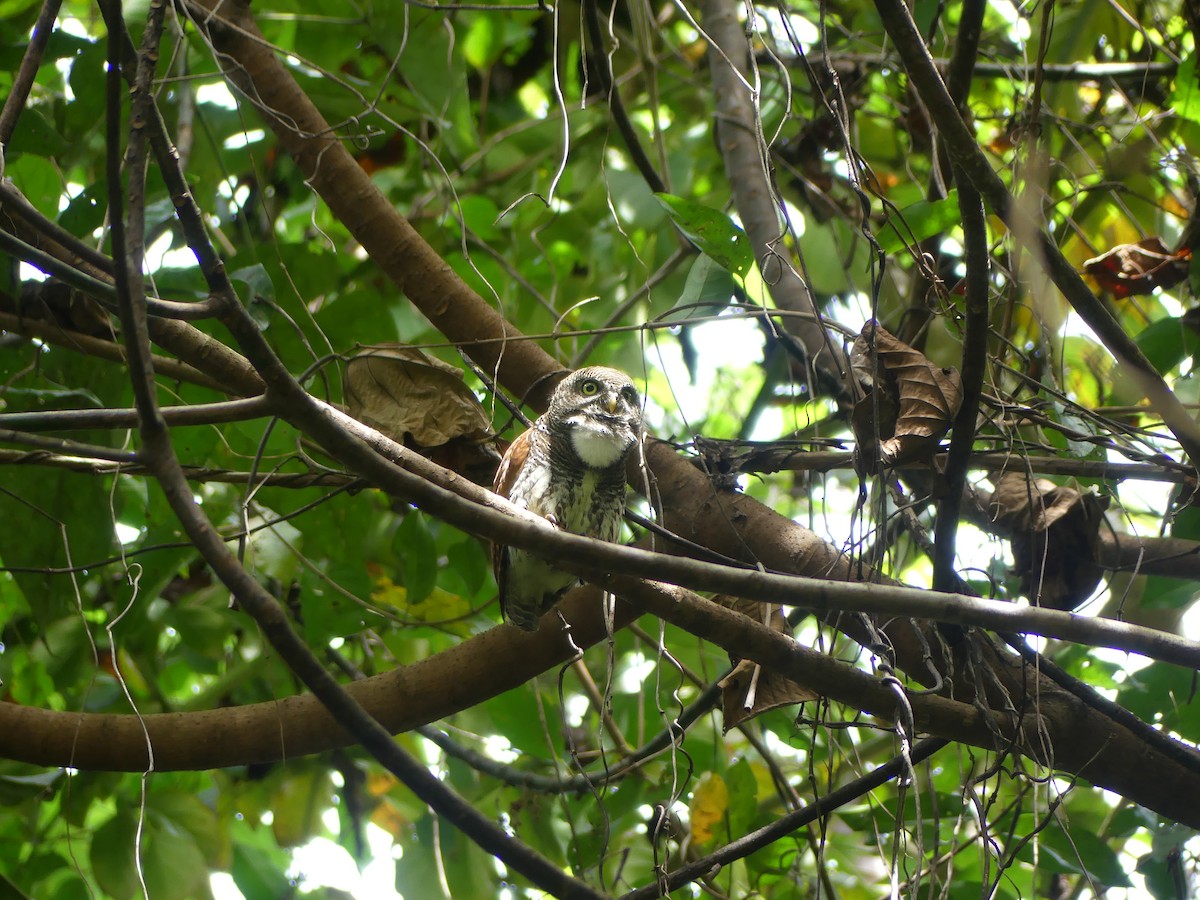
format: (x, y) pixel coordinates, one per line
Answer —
(1054, 531)
(750, 690)
(873, 417)
(926, 397)
(1131, 269)
(423, 403)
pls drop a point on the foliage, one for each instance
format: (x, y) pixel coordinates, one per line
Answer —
(491, 132)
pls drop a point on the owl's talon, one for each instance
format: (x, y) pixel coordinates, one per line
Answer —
(552, 519)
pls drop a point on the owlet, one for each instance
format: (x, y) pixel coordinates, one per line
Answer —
(569, 467)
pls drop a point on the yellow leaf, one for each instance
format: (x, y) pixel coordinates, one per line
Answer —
(710, 801)
(298, 803)
(388, 593)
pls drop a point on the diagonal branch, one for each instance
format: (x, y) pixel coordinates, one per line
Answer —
(22, 83)
(159, 454)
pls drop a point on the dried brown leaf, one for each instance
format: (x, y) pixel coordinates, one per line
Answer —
(927, 396)
(1054, 531)
(750, 690)
(422, 402)
(1130, 269)
(873, 417)
(401, 392)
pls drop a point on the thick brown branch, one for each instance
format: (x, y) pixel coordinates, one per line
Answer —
(1081, 740)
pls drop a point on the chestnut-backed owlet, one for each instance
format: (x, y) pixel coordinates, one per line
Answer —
(569, 467)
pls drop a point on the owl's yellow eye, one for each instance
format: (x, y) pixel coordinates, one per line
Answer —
(589, 388)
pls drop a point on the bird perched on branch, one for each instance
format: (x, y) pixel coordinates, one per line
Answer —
(569, 468)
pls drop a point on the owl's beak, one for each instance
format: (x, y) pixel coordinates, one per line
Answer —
(610, 403)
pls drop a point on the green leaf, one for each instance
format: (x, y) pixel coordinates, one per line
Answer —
(468, 568)
(1167, 343)
(178, 810)
(9, 891)
(827, 264)
(38, 135)
(417, 871)
(1076, 425)
(38, 180)
(259, 872)
(417, 553)
(257, 292)
(49, 525)
(84, 116)
(22, 783)
(743, 796)
(1185, 97)
(483, 42)
(112, 855)
(173, 865)
(711, 230)
(1083, 851)
(918, 221)
(273, 551)
(298, 803)
(1164, 694)
(86, 210)
(707, 292)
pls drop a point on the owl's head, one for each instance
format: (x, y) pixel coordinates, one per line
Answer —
(601, 413)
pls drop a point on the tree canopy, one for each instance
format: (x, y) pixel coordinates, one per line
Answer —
(908, 290)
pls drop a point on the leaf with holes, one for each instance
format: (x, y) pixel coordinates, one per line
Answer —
(713, 232)
(926, 396)
(422, 402)
(1054, 532)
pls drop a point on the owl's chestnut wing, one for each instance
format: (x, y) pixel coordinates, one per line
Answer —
(510, 465)
(506, 477)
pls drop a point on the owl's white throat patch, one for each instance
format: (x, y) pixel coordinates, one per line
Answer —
(598, 447)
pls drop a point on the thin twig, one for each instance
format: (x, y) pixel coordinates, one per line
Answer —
(101, 290)
(22, 83)
(196, 414)
(822, 806)
(102, 349)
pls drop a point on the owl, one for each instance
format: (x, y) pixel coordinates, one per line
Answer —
(569, 467)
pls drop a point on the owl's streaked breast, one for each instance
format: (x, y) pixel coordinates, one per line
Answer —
(532, 489)
(567, 501)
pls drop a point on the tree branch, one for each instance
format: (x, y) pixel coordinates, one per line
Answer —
(160, 456)
(693, 509)
(102, 349)
(974, 368)
(740, 138)
(18, 94)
